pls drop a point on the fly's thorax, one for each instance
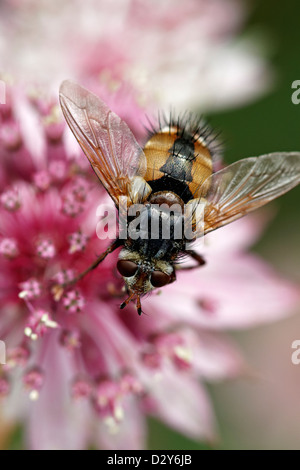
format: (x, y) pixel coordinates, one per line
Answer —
(153, 228)
(169, 198)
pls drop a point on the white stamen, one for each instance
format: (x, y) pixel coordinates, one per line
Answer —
(183, 353)
(57, 292)
(119, 413)
(113, 427)
(34, 395)
(23, 294)
(28, 331)
(51, 324)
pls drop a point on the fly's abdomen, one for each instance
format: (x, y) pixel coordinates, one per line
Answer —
(177, 161)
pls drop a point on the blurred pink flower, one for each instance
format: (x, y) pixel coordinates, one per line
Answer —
(184, 54)
(93, 373)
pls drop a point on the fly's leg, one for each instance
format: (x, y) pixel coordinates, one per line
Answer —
(96, 263)
(196, 256)
(57, 290)
(173, 276)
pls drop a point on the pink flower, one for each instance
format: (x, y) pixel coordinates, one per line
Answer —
(87, 371)
(90, 372)
(188, 55)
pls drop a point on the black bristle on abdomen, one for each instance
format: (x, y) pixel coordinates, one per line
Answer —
(190, 127)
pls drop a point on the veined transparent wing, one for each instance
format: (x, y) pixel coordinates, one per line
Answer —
(246, 185)
(105, 139)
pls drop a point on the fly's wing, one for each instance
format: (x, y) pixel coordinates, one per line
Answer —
(246, 185)
(105, 139)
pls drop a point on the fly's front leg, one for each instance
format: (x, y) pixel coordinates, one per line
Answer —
(196, 256)
(57, 290)
(173, 275)
(96, 263)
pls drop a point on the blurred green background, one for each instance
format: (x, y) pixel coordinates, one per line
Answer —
(263, 412)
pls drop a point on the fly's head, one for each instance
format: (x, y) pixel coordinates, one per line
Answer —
(142, 275)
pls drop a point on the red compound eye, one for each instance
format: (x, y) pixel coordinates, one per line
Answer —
(126, 268)
(159, 279)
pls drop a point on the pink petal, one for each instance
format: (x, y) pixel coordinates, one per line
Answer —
(118, 346)
(243, 292)
(214, 356)
(237, 236)
(54, 421)
(131, 432)
(183, 404)
(31, 130)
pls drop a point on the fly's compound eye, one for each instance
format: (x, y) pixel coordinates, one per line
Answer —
(159, 279)
(126, 268)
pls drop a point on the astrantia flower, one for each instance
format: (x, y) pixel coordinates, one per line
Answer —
(79, 370)
(173, 53)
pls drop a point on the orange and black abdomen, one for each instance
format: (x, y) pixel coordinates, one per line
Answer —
(177, 161)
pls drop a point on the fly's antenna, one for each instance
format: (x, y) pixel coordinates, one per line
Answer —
(139, 305)
(126, 302)
(129, 299)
